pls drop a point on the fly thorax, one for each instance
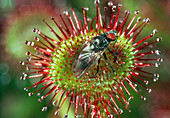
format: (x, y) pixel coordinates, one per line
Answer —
(104, 43)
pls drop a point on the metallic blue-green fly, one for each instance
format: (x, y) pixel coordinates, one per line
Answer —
(90, 52)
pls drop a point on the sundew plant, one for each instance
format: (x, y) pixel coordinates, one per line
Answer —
(106, 73)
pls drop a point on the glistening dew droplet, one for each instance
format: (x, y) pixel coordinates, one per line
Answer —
(105, 71)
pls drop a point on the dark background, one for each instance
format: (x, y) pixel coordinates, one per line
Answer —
(19, 17)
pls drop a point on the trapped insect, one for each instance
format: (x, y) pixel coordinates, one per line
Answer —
(91, 51)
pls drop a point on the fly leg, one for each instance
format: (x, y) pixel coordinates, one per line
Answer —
(114, 47)
(115, 55)
(105, 57)
(97, 68)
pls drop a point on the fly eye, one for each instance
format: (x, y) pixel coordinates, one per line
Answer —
(112, 36)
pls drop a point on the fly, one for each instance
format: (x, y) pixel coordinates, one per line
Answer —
(90, 53)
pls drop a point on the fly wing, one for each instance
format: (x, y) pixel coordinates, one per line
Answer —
(84, 60)
(75, 57)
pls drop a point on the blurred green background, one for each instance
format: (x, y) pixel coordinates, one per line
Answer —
(19, 17)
